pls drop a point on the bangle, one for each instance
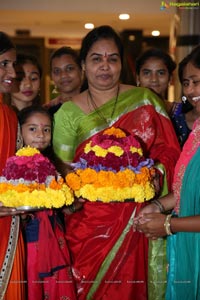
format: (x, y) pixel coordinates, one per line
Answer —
(159, 205)
(167, 225)
(72, 208)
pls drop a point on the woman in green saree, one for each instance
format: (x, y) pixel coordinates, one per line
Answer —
(109, 259)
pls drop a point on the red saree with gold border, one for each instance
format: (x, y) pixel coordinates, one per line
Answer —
(12, 250)
(110, 260)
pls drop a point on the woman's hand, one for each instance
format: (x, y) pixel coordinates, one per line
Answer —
(152, 225)
(8, 211)
(140, 218)
(74, 207)
(157, 183)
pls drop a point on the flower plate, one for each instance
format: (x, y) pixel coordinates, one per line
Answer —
(30, 208)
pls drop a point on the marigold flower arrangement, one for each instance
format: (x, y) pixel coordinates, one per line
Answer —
(30, 179)
(113, 168)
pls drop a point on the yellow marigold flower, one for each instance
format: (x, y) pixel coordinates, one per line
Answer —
(118, 151)
(115, 131)
(149, 191)
(27, 151)
(138, 150)
(108, 194)
(100, 152)
(38, 198)
(88, 147)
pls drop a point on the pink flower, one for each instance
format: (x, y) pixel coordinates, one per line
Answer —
(31, 168)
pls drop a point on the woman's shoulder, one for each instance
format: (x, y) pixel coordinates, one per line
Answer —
(81, 101)
(69, 109)
(132, 89)
(126, 87)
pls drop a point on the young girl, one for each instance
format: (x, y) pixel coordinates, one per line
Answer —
(27, 84)
(48, 275)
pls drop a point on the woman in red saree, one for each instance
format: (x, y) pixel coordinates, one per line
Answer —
(110, 261)
(12, 250)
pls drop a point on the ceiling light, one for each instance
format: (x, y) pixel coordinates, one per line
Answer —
(89, 26)
(131, 38)
(155, 33)
(124, 16)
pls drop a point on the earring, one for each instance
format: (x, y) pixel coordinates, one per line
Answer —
(83, 67)
(55, 91)
(184, 99)
(20, 141)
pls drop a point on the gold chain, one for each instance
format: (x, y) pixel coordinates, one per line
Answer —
(96, 108)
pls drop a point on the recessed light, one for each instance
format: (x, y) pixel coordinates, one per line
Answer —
(124, 16)
(155, 33)
(89, 26)
(131, 38)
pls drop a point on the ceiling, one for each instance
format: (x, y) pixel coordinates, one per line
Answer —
(66, 18)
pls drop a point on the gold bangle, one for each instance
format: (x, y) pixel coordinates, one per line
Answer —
(167, 224)
(159, 205)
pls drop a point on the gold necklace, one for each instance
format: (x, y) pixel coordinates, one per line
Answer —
(96, 108)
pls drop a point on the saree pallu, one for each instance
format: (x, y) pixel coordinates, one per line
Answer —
(48, 261)
(141, 113)
(110, 259)
(12, 249)
(138, 111)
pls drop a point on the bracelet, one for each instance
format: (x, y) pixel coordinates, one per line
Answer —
(72, 208)
(160, 206)
(167, 224)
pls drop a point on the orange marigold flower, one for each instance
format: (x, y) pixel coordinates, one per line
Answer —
(55, 185)
(88, 176)
(143, 176)
(122, 179)
(102, 178)
(73, 181)
(115, 131)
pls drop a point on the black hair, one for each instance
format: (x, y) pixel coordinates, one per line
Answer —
(5, 43)
(24, 58)
(193, 58)
(157, 53)
(26, 113)
(65, 51)
(99, 33)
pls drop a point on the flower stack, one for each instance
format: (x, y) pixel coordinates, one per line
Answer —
(30, 179)
(113, 168)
